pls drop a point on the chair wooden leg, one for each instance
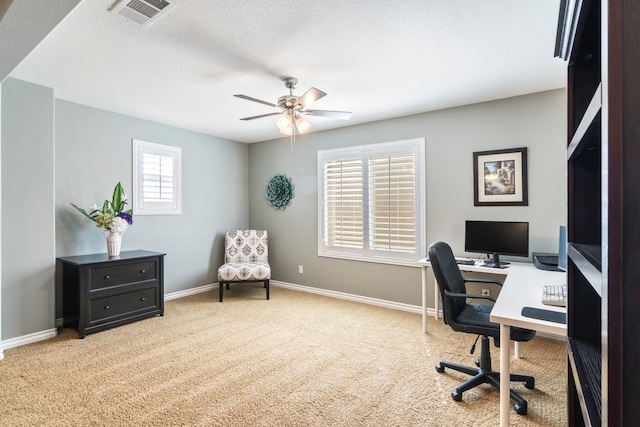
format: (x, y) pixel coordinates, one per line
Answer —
(266, 285)
(221, 288)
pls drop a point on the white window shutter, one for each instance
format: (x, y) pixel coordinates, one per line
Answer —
(392, 207)
(157, 178)
(343, 203)
(157, 171)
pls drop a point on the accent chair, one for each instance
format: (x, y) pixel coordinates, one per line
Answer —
(246, 259)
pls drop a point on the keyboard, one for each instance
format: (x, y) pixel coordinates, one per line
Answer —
(555, 295)
(459, 261)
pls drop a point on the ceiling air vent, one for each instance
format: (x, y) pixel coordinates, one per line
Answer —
(144, 12)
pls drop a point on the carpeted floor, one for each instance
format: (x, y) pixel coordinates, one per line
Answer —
(296, 360)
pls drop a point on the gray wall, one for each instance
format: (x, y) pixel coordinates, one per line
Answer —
(28, 253)
(85, 156)
(93, 153)
(1, 353)
(535, 121)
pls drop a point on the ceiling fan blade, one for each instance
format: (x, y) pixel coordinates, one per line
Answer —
(310, 96)
(248, 98)
(262, 115)
(343, 115)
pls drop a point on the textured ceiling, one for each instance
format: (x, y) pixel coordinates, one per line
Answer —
(23, 24)
(379, 59)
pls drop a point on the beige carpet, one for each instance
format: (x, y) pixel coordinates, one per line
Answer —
(296, 360)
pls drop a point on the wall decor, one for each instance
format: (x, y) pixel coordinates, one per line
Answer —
(500, 177)
(280, 191)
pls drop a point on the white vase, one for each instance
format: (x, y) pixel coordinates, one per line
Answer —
(114, 241)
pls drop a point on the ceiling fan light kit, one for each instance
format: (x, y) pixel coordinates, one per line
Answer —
(284, 124)
(289, 125)
(302, 125)
(293, 107)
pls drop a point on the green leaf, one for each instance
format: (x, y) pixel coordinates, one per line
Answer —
(83, 212)
(117, 200)
(106, 207)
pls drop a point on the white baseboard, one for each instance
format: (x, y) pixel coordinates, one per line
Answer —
(187, 292)
(311, 290)
(351, 297)
(27, 339)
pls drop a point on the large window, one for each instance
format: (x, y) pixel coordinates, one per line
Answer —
(157, 178)
(371, 203)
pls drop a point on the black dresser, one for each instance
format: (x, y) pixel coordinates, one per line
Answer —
(98, 292)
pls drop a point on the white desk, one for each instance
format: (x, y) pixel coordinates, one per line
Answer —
(522, 287)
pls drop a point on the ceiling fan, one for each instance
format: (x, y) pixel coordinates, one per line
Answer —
(293, 107)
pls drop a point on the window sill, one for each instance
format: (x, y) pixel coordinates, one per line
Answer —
(377, 260)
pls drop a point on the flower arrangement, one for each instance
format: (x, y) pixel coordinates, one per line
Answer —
(112, 216)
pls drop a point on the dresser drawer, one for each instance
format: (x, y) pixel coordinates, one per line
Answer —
(124, 304)
(101, 278)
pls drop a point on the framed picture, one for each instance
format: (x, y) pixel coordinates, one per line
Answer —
(500, 177)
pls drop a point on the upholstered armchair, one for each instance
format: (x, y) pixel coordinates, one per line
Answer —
(246, 259)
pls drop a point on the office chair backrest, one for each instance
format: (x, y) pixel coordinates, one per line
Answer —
(448, 276)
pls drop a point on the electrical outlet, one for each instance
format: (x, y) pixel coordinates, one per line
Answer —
(300, 269)
(486, 292)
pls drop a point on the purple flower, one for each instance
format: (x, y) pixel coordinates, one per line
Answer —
(127, 217)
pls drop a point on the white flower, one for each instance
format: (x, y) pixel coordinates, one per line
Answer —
(119, 225)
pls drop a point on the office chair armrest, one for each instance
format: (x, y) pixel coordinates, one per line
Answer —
(495, 282)
(473, 296)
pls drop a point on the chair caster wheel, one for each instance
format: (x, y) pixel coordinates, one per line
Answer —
(478, 363)
(439, 368)
(530, 385)
(458, 396)
(521, 409)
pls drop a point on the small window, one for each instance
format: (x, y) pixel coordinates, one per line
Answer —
(157, 177)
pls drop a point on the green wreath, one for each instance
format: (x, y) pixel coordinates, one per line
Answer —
(280, 191)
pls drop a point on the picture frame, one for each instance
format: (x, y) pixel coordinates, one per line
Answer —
(500, 177)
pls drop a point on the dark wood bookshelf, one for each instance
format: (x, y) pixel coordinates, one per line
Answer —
(599, 40)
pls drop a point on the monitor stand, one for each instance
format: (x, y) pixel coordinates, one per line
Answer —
(494, 261)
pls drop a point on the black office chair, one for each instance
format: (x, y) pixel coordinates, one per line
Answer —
(472, 318)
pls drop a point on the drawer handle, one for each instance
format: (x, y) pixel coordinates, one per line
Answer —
(143, 299)
(143, 271)
(107, 277)
(106, 307)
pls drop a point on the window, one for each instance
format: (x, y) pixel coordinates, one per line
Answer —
(370, 202)
(157, 176)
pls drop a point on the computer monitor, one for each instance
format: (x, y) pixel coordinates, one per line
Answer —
(497, 238)
(562, 248)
